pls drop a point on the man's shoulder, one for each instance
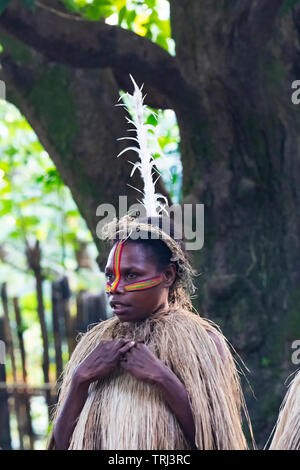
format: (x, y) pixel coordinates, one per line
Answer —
(217, 342)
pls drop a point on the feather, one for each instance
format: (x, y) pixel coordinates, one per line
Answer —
(152, 201)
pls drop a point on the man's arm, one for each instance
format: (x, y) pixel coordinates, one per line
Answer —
(218, 344)
(177, 398)
(66, 422)
(176, 395)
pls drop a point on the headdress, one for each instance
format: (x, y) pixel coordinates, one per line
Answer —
(132, 225)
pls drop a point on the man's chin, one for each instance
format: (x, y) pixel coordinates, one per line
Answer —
(129, 318)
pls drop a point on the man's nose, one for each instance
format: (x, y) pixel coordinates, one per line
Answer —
(119, 289)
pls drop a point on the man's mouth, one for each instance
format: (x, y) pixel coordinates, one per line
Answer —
(117, 304)
(118, 307)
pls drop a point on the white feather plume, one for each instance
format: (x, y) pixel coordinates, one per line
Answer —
(151, 200)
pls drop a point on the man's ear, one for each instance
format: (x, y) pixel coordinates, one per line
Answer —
(169, 275)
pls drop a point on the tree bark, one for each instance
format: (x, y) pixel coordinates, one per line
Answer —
(247, 174)
(230, 86)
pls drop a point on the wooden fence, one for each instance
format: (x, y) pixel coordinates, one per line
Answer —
(16, 397)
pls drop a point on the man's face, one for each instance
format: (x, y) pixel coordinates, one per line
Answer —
(135, 265)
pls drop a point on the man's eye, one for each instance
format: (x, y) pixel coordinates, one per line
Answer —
(131, 275)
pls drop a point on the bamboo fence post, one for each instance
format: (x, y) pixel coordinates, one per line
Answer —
(56, 328)
(70, 333)
(79, 310)
(26, 398)
(10, 349)
(5, 440)
(33, 255)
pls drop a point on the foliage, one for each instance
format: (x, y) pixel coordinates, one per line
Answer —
(149, 18)
(34, 203)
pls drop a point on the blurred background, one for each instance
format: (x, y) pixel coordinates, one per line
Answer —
(219, 75)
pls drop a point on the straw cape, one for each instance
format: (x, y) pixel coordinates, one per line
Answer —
(124, 413)
(287, 430)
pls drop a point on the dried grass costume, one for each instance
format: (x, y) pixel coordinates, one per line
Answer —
(287, 431)
(124, 413)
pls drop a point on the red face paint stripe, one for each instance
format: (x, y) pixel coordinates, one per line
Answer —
(117, 260)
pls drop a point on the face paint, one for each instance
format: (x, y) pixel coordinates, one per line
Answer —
(141, 285)
(117, 262)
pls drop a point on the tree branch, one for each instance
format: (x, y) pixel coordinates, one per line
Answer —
(65, 107)
(69, 39)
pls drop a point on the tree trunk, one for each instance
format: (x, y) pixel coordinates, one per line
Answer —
(246, 171)
(230, 86)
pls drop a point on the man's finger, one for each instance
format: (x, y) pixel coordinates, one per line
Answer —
(123, 340)
(120, 343)
(127, 347)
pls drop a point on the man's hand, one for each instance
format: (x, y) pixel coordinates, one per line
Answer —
(140, 362)
(102, 360)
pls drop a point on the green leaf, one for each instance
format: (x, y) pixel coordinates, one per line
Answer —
(174, 178)
(122, 14)
(6, 206)
(11, 151)
(151, 3)
(49, 429)
(161, 41)
(130, 18)
(72, 213)
(15, 235)
(27, 221)
(5, 190)
(151, 120)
